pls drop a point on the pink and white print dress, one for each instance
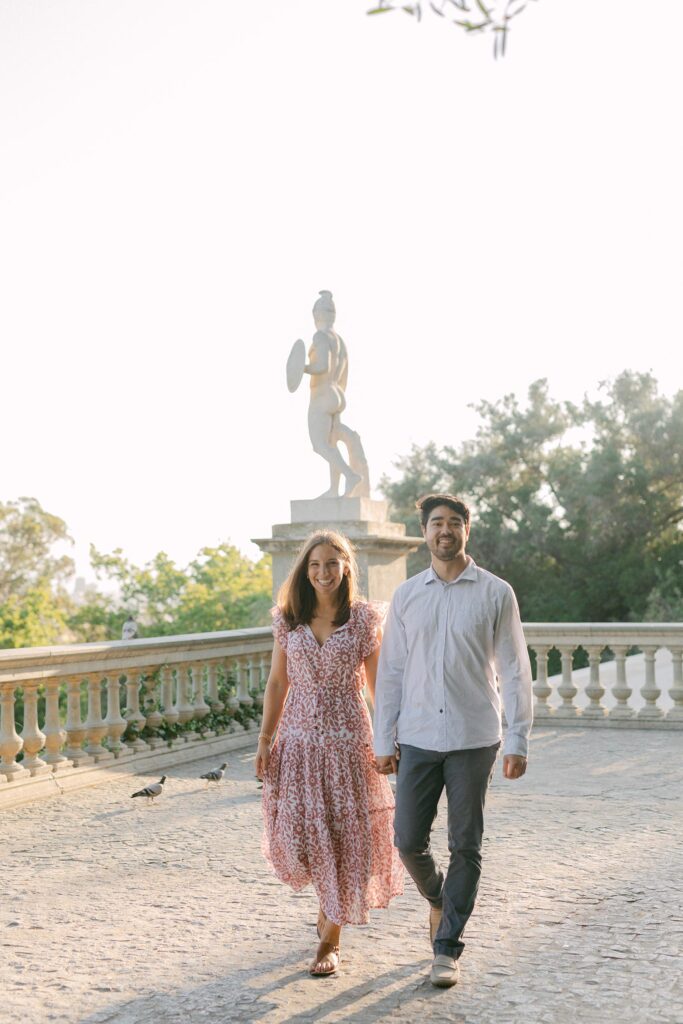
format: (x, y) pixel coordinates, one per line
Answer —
(328, 815)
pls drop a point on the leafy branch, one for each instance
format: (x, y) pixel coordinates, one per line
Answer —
(495, 18)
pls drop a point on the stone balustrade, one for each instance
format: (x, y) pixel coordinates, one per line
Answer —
(617, 687)
(147, 703)
(140, 703)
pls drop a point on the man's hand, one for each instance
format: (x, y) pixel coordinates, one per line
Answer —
(387, 765)
(514, 766)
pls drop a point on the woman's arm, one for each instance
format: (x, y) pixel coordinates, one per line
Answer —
(371, 668)
(273, 703)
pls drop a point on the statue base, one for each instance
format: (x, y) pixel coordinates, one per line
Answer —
(381, 547)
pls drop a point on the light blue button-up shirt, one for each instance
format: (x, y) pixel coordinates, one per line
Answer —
(447, 647)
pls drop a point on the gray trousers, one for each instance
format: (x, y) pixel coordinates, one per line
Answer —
(422, 775)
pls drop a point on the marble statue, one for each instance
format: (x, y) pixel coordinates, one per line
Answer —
(328, 367)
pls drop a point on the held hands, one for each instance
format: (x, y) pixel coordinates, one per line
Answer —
(387, 765)
(514, 766)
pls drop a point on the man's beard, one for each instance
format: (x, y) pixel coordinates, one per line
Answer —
(447, 551)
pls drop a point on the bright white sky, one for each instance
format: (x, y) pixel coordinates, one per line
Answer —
(179, 178)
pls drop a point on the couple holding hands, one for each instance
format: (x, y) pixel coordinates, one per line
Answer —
(433, 670)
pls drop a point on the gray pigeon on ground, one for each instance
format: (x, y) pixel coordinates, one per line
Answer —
(216, 775)
(153, 790)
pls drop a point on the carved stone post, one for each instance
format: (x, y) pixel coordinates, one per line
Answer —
(170, 712)
(262, 671)
(34, 739)
(76, 731)
(621, 691)
(10, 741)
(201, 708)
(244, 670)
(215, 703)
(55, 736)
(541, 689)
(233, 699)
(132, 714)
(116, 723)
(595, 691)
(650, 691)
(95, 725)
(184, 705)
(566, 689)
(676, 691)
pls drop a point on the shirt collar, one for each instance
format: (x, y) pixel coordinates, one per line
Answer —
(468, 573)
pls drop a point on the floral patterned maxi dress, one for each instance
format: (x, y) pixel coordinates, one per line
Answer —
(327, 813)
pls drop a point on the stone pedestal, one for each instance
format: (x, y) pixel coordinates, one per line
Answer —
(381, 546)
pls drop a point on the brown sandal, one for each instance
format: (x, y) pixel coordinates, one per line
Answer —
(326, 951)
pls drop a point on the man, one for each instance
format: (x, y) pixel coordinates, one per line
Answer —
(451, 630)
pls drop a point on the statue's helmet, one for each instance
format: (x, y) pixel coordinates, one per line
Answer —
(324, 304)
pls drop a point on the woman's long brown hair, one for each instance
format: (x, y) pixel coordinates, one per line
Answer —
(296, 598)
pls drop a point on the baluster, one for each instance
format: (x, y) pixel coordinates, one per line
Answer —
(153, 717)
(650, 691)
(55, 735)
(215, 703)
(95, 724)
(262, 669)
(594, 691)
(170, 712)
(676, 691)
(201, 708)
(233, 699)
(184, 706)
(34, 739)
(541, 689)
(621, 691)
(76, 731)
(566, 689)
(133, 715)
(243, 694)
(116, 723)
(10, 741)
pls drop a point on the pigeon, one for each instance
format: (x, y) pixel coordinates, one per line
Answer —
(130, 629)
(216, 775)
(151, 791)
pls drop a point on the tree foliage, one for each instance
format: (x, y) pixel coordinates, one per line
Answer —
(34, 606)
(580, 507)
(28, 535)
(473, 16)
(220, 589)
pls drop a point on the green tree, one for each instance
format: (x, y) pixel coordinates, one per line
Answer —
(34, 606)
(579, 507)
(36, 618)
(220, 589)
(28, 535)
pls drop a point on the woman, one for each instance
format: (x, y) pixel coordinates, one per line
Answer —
(327, 812)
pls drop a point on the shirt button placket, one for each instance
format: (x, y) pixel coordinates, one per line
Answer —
(446, 619)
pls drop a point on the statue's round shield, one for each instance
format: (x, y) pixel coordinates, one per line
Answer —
(295, 365)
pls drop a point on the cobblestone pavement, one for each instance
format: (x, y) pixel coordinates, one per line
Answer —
(114, 910)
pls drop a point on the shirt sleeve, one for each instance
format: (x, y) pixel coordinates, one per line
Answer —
(389, 685)
(280, 627)
(514, 675)
(372, 617)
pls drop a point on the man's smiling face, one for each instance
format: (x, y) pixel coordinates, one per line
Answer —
(446, 533)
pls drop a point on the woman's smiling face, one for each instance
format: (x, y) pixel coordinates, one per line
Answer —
(326, 569)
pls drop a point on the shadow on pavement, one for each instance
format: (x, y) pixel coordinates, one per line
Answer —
(285, 997)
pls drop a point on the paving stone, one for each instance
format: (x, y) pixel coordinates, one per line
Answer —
(114, 911)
